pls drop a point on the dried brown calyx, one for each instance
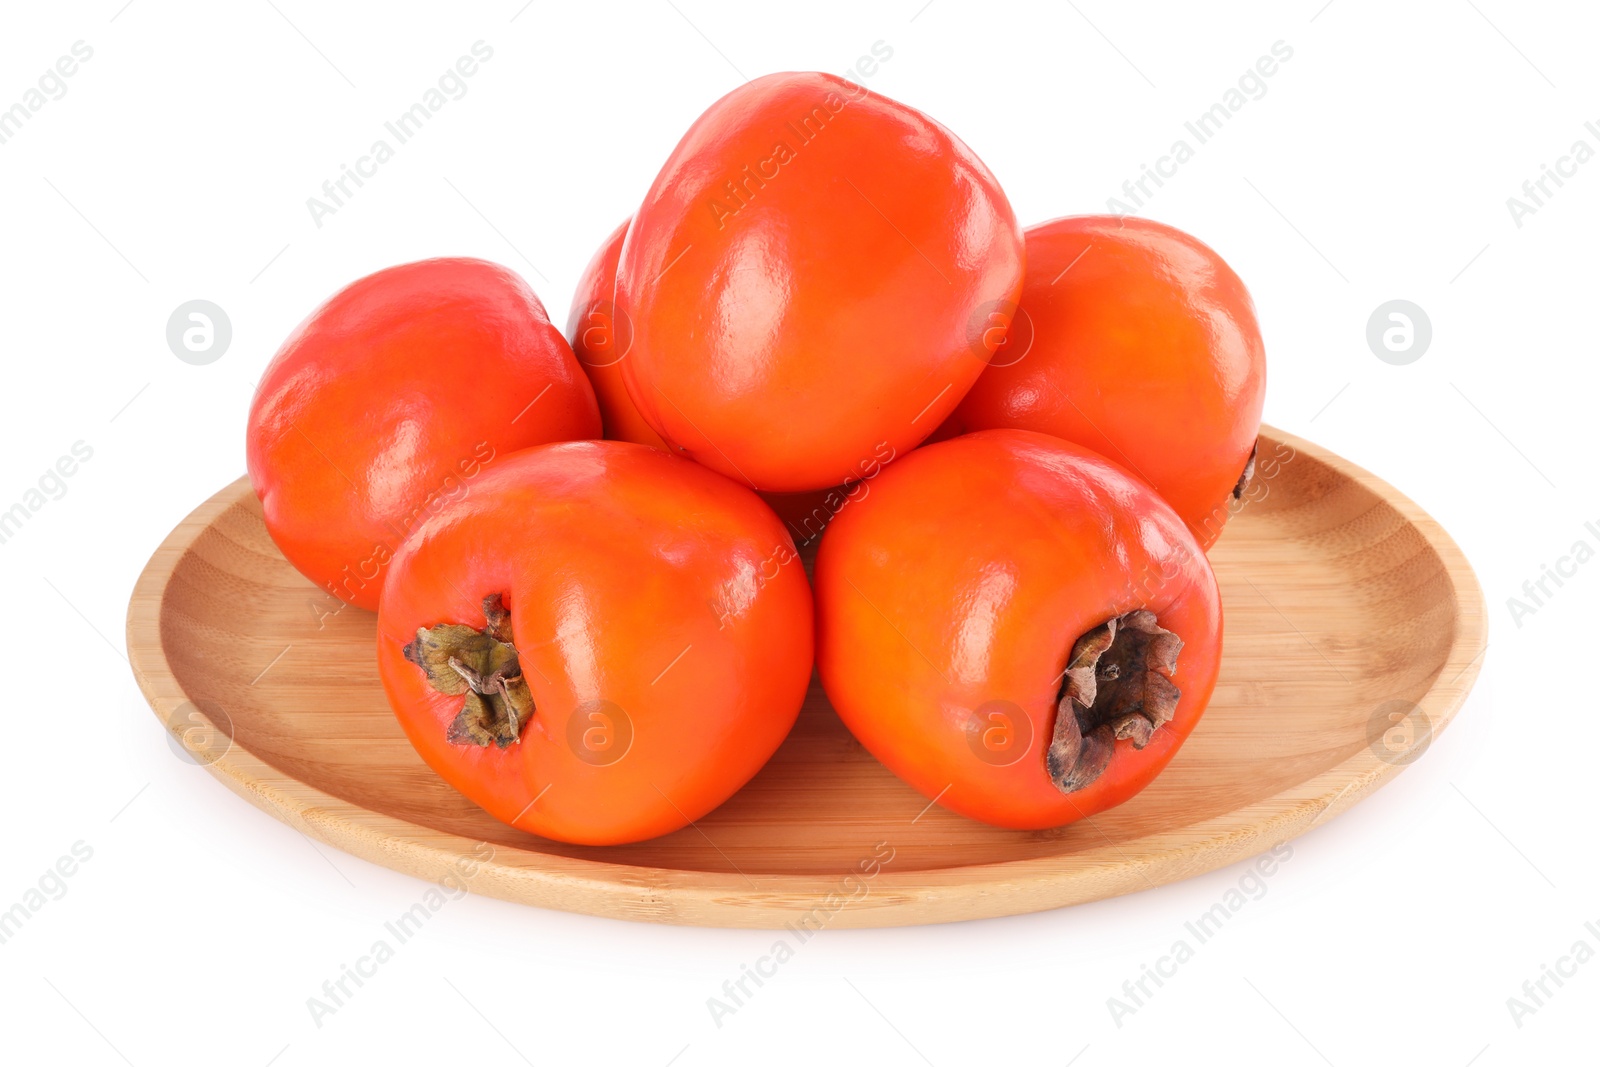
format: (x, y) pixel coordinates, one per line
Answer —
(1118, 685)
(1245, 475)
(483, 666)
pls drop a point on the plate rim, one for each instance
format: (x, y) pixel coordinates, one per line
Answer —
(769, 900)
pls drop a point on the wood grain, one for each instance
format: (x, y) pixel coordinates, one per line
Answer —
(1342, 598)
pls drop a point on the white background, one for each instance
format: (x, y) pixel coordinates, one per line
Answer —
(1377, 166)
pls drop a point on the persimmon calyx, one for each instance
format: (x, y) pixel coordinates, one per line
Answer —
(482, 666)
(1118, 686)
(1247, 474)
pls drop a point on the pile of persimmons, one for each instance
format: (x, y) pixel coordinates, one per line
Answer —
(822, 328)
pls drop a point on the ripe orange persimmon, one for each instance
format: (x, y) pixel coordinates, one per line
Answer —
(601, 339)
(812, 275)
(393, 398)
(1016, 627)
(599, 643)
(1138, 341)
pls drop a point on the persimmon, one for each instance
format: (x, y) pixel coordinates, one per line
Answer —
(602, 339)
(1138, 341)
(1017, 627)
(392, 399)
(600, 644)
(811, 275)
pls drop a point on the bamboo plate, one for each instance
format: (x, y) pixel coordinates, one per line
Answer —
(1355, 627)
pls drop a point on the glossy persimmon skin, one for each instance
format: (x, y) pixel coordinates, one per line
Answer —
(1138, 341)
(638, 583)
(785, 331)
(961, 584)
(395, 397)
(601, 340)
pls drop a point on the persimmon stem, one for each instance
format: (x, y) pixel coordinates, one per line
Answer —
(1118, 687)
(481, 666)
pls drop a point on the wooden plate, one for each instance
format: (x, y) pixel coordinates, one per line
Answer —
(1354, 631)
